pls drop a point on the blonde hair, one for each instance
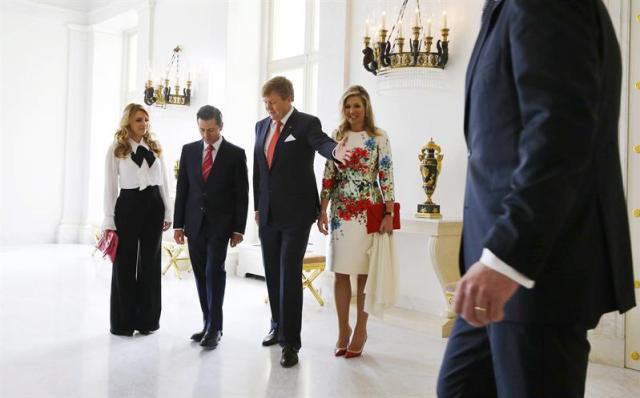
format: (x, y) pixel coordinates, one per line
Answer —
(122, 135)
(369, 122)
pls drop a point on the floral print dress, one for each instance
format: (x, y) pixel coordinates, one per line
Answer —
(366, 179)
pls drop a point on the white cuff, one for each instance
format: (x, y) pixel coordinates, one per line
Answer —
(333, 155)
(109, 223)
(490, 260)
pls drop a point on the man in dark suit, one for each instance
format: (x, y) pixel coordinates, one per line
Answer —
(212, 199)
(546, 248)
(286, 204)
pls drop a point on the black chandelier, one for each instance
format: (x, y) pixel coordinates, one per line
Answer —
(161, 94)
(383, 56)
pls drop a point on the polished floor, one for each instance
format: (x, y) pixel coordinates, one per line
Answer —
(54, 342)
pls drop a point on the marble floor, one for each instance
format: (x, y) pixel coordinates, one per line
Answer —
(55, 342)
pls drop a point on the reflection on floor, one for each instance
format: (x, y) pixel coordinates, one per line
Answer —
(55, 343)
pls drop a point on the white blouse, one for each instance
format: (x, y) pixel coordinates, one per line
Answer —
(125, 174)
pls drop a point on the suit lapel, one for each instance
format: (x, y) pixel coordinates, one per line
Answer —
(477, 49)
(262, 137)
(197, 161)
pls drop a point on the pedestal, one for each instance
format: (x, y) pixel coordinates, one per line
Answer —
(442, 237)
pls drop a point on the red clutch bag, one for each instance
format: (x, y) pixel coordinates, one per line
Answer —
(108, 244)
(375, 214)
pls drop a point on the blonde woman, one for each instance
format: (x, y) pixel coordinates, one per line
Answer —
(365, 179)
(139, 211)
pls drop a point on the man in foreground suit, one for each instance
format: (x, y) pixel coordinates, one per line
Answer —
(287, 204)
(546, 247)
(212, 198)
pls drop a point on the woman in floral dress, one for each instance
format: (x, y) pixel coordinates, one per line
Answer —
(367, 178)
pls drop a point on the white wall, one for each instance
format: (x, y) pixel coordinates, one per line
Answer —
(33, 85)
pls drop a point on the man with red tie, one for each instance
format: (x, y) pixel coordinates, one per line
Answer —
(286, 205)
(212, 197)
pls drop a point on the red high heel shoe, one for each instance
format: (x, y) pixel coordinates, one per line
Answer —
(353, 354)
(340, 351)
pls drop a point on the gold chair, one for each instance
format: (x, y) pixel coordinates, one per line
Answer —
(97, 234)
(312, 267)
(449, 293)
(177, 253)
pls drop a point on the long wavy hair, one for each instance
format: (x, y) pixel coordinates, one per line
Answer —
(369, 121)
(121, 137)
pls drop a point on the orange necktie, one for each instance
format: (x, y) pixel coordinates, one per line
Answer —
(272, 144)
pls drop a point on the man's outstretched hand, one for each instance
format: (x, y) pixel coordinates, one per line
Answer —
(342, 154)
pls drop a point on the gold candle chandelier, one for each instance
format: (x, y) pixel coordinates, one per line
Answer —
(382, 55)
(161, 95)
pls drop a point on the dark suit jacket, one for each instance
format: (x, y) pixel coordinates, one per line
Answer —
(287, 195)
(544, 187)
(222, 202)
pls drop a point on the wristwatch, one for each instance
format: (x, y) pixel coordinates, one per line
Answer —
(388, 213)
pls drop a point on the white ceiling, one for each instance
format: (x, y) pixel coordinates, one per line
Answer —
(76, 5)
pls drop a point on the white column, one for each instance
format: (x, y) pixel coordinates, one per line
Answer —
(632, 318)
(73, 226)
(442, 238)
(146, 19)
(608, 338)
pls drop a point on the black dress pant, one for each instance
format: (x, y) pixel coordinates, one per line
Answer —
(207, 259)
(283, 251)
(515, 360)
(135, 280)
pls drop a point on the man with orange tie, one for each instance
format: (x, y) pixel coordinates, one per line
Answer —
(286, 205)
(212, 199)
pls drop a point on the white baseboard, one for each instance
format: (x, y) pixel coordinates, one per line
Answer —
(75, 233)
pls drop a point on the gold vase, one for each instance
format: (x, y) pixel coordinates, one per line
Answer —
(430, 157)
(176, 169)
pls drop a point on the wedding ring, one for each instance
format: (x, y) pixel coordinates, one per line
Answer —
(480, 309)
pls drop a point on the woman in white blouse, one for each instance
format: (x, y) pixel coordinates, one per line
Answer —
(138, 212)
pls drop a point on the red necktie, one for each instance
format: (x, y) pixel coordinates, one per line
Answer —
(207, 163)
(272, 144)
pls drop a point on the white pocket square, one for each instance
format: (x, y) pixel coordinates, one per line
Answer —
(290, 138)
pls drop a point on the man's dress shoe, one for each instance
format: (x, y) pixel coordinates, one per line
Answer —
(289, 357)
(198, 336)
(122, 332)
(210, 339)
(271, 338)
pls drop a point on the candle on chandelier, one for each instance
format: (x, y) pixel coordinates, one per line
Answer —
(366, 28)
(444, 20)
(429, 27)
(417, 18)
(400, 33)
(384, 20)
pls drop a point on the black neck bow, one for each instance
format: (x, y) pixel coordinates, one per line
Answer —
(141, 154)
